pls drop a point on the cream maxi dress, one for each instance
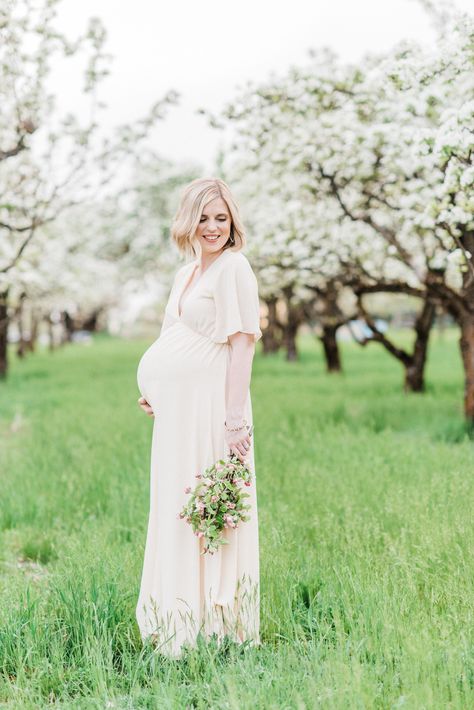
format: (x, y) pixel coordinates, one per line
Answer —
(183, 375)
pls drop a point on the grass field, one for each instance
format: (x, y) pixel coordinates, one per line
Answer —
(366, 530)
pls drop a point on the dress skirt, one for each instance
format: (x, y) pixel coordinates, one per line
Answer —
(183, 593)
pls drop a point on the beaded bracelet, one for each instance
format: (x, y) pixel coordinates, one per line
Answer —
(237, 428)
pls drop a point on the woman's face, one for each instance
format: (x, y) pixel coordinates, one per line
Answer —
(213, 229)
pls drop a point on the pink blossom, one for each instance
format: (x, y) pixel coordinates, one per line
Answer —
(198, 475)
(200, 533)
(187, 489)
(214, 499)
(247, 483)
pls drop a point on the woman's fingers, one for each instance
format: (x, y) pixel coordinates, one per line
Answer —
(238, 453)
(241, 447)
(241, 450)
(143, 404)
(245, 446)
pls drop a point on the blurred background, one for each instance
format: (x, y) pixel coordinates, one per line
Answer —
(346, 136)
(346, 132)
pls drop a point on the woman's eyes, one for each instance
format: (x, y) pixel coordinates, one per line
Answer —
(219, 219)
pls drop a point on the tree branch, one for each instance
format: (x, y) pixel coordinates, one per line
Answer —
(388, 287)
(379, 337)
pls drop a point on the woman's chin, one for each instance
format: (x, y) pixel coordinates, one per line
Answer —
(210, 248)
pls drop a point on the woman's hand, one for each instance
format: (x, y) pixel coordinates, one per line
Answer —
(145, 406)
(239, 442)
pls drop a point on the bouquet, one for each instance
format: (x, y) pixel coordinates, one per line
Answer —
(217, 502)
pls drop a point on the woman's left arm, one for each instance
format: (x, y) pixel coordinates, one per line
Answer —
(240, 371)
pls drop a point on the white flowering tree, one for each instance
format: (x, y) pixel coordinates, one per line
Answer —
(49, 160)
(451, 204)
(386, 149)
(291, 241)
(291, 248)
(135, 234)
(100, 261)
(305, 249)
(400, 162)
(135, 221)
(360, 162)
(64, 279)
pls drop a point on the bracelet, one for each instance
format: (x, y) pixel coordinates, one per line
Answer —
(237, 428)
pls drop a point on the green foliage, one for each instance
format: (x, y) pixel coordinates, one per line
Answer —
(217, 502)
(366, 535)
(39, 549)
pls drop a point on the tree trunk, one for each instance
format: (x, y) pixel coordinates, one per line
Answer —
(331, 348)
(415, 367)
(466, 343)
(272, 335)
(461, 307)
(294, 318)
(91, 323)
(4, 321)
(466, 323)
(291, 330)
(34, 330)
(414, 363)
(52, 344)
(68, 324)
(21, 346)
(331, 318)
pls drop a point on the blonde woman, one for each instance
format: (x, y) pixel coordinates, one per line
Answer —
(194, 380)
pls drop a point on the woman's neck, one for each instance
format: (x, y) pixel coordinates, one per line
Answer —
(207, 259)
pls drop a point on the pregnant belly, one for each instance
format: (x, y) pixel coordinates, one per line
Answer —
(179, 358)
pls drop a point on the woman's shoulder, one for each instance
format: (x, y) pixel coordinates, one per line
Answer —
(235, 268)
(237, 260)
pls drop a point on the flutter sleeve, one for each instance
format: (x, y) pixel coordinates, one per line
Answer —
(236, 301)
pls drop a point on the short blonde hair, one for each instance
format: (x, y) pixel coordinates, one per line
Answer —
(194, 198)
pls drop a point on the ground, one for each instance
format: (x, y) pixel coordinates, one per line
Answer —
(365, 511)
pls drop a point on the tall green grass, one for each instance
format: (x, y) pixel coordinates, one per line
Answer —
(365, 508)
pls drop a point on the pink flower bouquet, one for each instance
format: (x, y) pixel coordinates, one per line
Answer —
(217, 502)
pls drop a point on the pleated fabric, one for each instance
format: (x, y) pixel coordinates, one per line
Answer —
(183, 375)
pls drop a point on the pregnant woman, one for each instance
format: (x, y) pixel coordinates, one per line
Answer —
(194, 380)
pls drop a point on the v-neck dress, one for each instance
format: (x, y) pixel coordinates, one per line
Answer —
(183, 375)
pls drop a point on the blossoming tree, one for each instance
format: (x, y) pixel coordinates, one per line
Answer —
(50, 160)
(385, 149)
